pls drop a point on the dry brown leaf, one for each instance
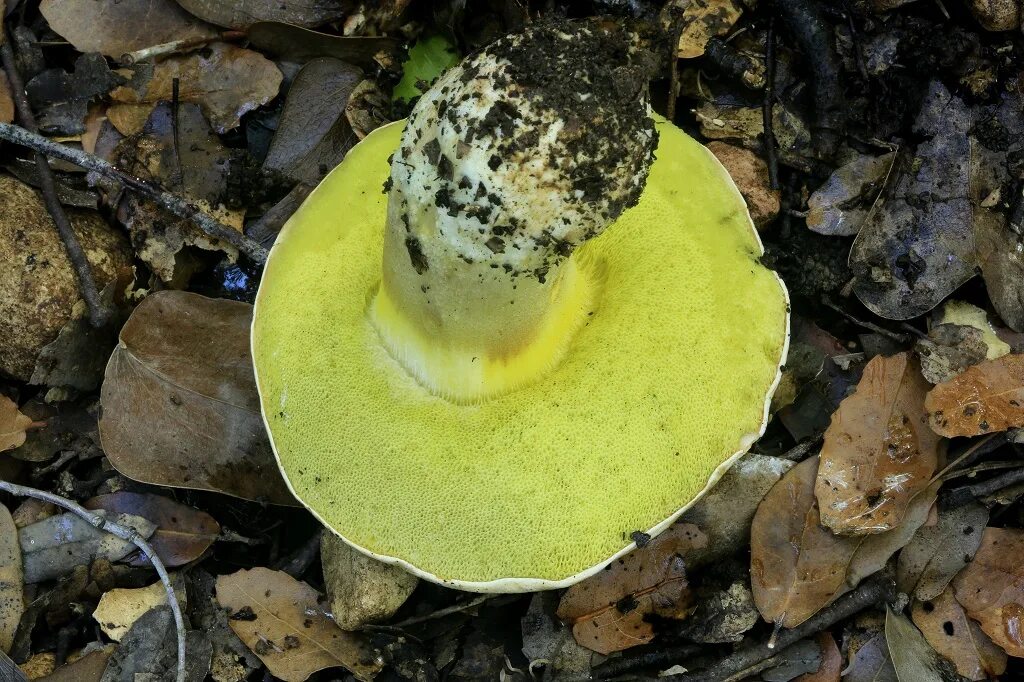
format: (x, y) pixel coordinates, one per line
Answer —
(991, 588)
(6, 100)
(179, 400)
(953, 635)
(282, 621)
(938, 552)
(13, 424)
(119, 608)
(878, 451)
(12, 604)
(796, 565)
(607, 611)
(985, 398)
(831, 666)
(225, 80)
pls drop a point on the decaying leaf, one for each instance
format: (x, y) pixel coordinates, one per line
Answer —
(282, 621)
(13, 424)
(949, 350)
(241, 13)
(54, 546)
(607, 611)
(179, 400)
(722, 615)
(962, 313)
(985, 398)
(225, 80)
(797, 566)
(119, 608)
(840, 206)
(937, 553)
(182, 533)
(6, 100)
(912, 656)
(428, 58)
(954, 636)
(361, 589)
(313, 134)
(149, 652)
(878, 451)
(114, 27)
(231, 660)
(12, 604)
(871, 663)
(62, 99)
(368, 108)
(991, 588)
(87, 668)
(299, 45)
(912, 253)
(63, 427)
(547, 641)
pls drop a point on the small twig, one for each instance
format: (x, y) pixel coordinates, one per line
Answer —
(165, 49)
(976, 448)
(895, 336)
(173, 203)
(870, 592)
(767, 103)
(126, 534)
(960, 496)
(98, 314)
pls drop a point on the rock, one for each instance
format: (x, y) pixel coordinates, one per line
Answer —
(750, 174)
(360, 589)
(38, 286)
(996, 15)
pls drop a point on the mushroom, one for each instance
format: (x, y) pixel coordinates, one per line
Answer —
(551, 331)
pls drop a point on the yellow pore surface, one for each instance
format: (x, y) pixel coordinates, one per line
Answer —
(666, 381)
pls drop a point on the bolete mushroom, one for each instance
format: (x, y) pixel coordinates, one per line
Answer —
(538, 341)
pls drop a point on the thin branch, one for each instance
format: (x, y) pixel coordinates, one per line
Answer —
(173, 203)
(167, 49)
(98, 314)
(125, 533)
(964, 494)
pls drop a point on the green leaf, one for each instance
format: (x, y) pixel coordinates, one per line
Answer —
(428, 59)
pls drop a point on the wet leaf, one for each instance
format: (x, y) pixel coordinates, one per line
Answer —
(12, 582)
(985, 398)
(878, 451)
(119, 608)
(797, 566)
(6, 100)
(991, 588)
(313, 134)
(607, 611)
(179, 400)
(149, 652)
(182, 533)
(831, 661)
(840, 206)
(114, 27)
(297, 44)
(360, 589)
(871, 663)
(954, 636)
(428, 58)
(56, 545)
(917, 245)
(912, 656)
(937, 553)
(225, 80)
(13, 424)
(242, 13)
(282, 621)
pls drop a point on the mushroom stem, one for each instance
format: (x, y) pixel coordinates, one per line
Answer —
(508, 164)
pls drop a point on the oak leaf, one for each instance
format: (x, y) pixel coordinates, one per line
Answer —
(985, 398)
(991, 588)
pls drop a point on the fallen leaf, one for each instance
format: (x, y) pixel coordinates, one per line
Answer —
(607, 611)
(231, 660)
(912, 656)
(750, 174)
(13, 425)
(87, 668)
(429, 57)
(313, 134)
(225, 80)
(911, 253)
(961, 313)
(702, 20)
(871, 663)
(949, 350)
(547, 641)
(985, 398)
(12, 583)
(831, 661)
(360, 589)
(179, 400)
(6, 100)
(114, 27)
(149, 651)
(61, 100)
(878, 451)
(281, 620)
(56, 545)
(299, 45)
(839, 207)
(722, 615)
(242, 13)
(991, 588)
(954, 636)
(182, 533)
(937, 553)
(119, 608)
(797, 566)
(368, 108)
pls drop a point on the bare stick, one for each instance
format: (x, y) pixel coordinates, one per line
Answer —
(166, 49)
(98, 314)
(125, 533)
(173, 203)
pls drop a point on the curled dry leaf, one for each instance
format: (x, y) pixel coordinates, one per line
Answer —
(912, 656)
(991, 588)
(985, 398)
(12, 604)
(607, 611)
(878, 451)
(179, 400)
(954, 636)
(225, 80)
(114, 27)
(282, 621)
(797, 566)
(13, 424)
(937, 553)
(242, 13)
(182, 533)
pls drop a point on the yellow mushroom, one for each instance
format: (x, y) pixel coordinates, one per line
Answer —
(546, 336)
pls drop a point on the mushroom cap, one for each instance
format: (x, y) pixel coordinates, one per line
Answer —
(663, 389)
